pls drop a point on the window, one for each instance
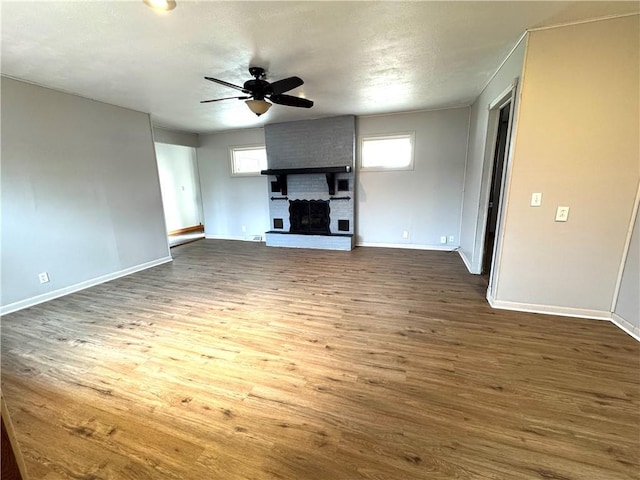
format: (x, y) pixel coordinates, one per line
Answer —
(387, 152)
(248, 160)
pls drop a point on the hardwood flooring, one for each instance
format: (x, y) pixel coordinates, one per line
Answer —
(242, 362)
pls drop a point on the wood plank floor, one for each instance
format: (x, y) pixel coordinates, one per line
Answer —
(243, 362)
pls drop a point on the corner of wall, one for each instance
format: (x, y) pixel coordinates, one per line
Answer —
(627, 327)
(175, 137)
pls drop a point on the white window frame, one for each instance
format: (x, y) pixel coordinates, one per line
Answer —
(390, 136)
(232, 158)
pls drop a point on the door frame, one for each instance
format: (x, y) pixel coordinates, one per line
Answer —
(509, 95)
(496, 162)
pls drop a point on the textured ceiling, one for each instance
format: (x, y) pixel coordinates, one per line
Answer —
(355, 57)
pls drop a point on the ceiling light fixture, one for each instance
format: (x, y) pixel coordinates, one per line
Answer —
(258, 106)
(164, 5)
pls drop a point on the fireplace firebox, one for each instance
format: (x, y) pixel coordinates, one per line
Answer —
(309, 216)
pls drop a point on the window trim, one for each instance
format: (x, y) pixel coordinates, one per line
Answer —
(236, 148)
(387, 136)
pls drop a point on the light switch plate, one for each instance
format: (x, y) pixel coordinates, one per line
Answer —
(562, 214)
(536, 199)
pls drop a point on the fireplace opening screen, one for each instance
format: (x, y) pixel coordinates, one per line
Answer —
(309, 216)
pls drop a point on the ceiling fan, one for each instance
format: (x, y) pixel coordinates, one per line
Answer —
(258, 89)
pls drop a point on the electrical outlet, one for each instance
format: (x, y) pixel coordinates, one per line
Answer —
(405, 234)
(562, 214)
(536, 199)
(443, 239)
(43, 277)
(244, 228)
(452, 238)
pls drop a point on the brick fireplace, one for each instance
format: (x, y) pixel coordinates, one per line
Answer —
(311, 179)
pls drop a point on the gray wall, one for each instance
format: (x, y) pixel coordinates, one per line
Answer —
(425, 201)
(174, 137)
(577, 141)
(229, 203)
(479, 165)
(628, 303)
(80, 191)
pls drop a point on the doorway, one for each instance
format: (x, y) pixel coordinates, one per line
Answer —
(180, 188)
(499, 156)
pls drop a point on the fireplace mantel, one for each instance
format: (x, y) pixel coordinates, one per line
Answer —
(281, 175)
(302, 171)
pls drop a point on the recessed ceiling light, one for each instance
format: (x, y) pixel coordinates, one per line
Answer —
(164, 5)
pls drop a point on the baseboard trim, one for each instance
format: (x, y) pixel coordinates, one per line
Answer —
(621, 323)
(45, 297)
(549, 309)
(180, 231)
(408, 246)
(467, 262)
(242, 239)
(612, 317)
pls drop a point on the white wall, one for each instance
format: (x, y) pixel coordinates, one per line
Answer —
(425, 201)
(627, 306)
(178, 170)
(80, 193)
(577, 142)
(479, 164)
(229, 203)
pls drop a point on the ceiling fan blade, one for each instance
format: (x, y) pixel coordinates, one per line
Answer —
(227, 84)
(291, 101)
(285, 85)
(226, 98)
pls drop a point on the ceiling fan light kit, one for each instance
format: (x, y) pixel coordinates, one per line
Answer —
(163, 5)
(258, 106)
(258, 89)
